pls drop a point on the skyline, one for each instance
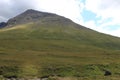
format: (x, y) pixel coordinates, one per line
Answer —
(99, 15)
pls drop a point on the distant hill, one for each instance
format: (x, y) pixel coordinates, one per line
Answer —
(47, 41)
(3, 24)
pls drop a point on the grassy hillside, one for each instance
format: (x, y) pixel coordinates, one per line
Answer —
(46, 48)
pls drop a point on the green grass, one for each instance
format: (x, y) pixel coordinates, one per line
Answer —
(44, 49)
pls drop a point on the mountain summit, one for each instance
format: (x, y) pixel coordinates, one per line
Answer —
(27, 16)
(33, 16)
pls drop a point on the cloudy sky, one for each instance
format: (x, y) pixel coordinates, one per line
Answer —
(100, 15)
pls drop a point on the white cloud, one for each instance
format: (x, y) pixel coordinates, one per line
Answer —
(116, 32)
(68, 8)
(2, 18)
(91, 24)
(106, 9)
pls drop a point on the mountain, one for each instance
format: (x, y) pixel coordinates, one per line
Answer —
(47, 25)
(3, 24)
(34, 16)
(45, 44)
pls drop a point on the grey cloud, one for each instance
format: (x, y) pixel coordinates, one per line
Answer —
(13, 8)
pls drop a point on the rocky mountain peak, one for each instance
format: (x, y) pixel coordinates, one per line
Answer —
(31, 15)
(28, 16)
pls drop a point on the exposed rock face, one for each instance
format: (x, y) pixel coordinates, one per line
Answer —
(3, 24)
(33, 16)
(37, 16)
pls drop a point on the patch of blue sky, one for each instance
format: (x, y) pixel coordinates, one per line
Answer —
(88, 16)
(83, 1)
(112, 27)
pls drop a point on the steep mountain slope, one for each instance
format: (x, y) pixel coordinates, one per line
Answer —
(47, 39)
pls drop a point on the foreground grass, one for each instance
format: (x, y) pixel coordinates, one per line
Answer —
(62, 64)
